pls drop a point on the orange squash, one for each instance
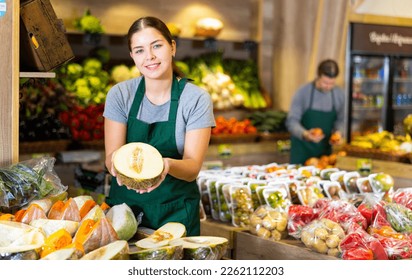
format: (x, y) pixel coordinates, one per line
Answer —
(7, 217)
(67, 210)
(86, 207)
(94, 234)
(55, 241)
(33, 212)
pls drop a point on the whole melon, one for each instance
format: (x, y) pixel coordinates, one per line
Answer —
(138, 165)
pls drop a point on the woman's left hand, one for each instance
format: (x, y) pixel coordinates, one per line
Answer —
(162, 177)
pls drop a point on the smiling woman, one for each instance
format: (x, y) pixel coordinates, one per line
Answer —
(166, 111)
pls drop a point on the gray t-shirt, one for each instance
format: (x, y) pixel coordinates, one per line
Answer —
(322, 101)
(195, 109)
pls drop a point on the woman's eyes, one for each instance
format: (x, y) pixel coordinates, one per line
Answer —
(156, 46)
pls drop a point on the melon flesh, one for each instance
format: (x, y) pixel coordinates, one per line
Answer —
(162, 236)
(138, 165)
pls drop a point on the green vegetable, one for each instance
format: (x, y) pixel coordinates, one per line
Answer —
(399, 216)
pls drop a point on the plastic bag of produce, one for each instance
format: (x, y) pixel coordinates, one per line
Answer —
(298, 217)
(359, 245)
(323, 236)
(269, 223)
(399, 216)
(25, 181)
(403, 196)
(241, 205)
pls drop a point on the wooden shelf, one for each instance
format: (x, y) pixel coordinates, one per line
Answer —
(48, 75)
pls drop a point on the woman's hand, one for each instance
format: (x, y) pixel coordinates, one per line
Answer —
(313, 135)
(166, 168)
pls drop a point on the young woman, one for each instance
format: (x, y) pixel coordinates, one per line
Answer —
(167, 112)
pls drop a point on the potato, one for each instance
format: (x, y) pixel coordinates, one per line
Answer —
(269, 223)
(255, 220)
(334, 252)
(338, 230)
(307, 238)
(320, 246)
(276, 235)
(321, 233)
(282, 224)
(333, 241)
(264, 233)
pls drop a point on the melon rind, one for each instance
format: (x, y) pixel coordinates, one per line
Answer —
(151, 170)
(202, 247)
(117, 250)
(62, 254)
(169, 252)
(123, 221)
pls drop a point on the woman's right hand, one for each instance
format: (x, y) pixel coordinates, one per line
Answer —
(313, 135)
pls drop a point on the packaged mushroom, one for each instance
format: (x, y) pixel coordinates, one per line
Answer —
(323, 236)
(269, 223)
(334, 190)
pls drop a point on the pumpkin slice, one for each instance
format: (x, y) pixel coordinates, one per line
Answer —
(56, 241)
(33, 212)
(44, 203)
(169, 252)
(117, 250)
(51, 226)
(138, 165)
(94, 234)
(202, 247)
(96, 213)
(81, 199)
(123, 221)
(67, 210)
(162, 236)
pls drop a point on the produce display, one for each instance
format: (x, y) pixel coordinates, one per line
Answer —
(231, 83)
(335, 212)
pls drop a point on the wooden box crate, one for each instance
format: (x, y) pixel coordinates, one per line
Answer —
(43, 42)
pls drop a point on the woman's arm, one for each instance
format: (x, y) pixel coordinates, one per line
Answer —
(196, 144)
(114, 138)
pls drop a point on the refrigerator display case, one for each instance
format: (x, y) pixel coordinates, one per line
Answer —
(379, 78)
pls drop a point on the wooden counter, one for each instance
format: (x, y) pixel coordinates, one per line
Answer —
(252, 247)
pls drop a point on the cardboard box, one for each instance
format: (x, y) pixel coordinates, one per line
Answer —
(43, 42)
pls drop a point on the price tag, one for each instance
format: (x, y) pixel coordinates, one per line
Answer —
(364, 166)
(3, 7)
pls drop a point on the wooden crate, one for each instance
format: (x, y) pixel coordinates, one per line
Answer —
(251, 247)
(211, 227)
(43, 42)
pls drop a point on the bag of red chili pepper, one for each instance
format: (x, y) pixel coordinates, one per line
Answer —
(298, 217)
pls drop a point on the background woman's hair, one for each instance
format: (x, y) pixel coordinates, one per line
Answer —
(145, 22)
(328, 68)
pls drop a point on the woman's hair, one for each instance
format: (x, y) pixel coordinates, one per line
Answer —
(145, 22)
(328, 68)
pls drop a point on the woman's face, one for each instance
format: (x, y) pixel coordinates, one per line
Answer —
(152, 54)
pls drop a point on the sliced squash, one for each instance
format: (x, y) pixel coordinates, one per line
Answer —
(138, 165)
(202, 247)
(20, 241)
(162, 236)
(94, 234)
(117, 250)
(123, 221)
(44, 203)
(96, 213)
(56, 241)
(33, 212)
(50, 226)
(69, 253)
(81, 199)
(67, 210)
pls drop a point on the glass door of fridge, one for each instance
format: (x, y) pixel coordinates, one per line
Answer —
(401, 93)
(369, 87)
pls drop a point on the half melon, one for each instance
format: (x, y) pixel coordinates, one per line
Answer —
(169, 252)
(162, 236)
(138, 165)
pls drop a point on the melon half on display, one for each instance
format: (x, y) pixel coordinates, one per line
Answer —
(138, 165)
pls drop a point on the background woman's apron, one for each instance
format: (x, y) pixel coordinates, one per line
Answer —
(174, 200)
(302, 150)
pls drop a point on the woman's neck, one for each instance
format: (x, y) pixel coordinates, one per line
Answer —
(159, 91)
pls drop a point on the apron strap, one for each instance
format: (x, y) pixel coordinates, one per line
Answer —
(177, 89)
(311, 97)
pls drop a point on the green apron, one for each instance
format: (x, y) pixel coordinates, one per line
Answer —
(302, 150)
(174, 200)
